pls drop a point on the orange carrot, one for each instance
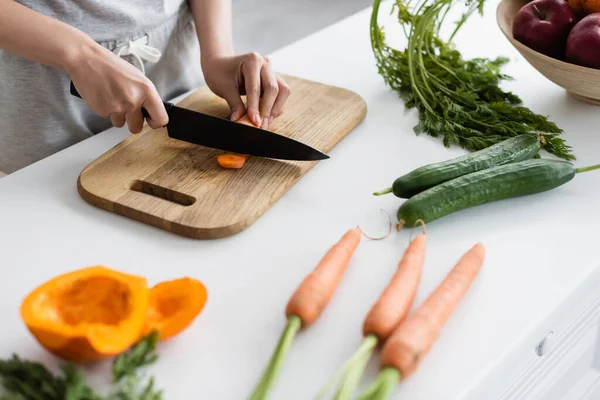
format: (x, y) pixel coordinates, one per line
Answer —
(394, 303)
(313, 294)
(235, 161)
(231, 161)
(385, 315)
(413, 339)
(245, 120)
(307, 303)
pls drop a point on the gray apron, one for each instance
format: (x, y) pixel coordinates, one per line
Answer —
(38, 115)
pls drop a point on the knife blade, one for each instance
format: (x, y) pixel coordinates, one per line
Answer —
(223, 134)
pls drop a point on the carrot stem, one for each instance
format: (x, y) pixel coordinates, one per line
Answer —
(423, 230)
(586, 169)
(386, 382)
(381, 237)
(400, 225)
(352, 370)
(382, 192)
(285, 341)
(352, 378)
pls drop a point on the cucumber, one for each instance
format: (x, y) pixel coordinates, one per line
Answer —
(496, 183)
(518, 148)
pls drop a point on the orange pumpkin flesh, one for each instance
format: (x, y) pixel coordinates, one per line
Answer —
(87, 315)
(174, 305)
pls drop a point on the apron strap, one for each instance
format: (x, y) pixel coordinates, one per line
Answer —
(139, 50)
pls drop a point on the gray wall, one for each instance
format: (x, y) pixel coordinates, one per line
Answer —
(267, 25)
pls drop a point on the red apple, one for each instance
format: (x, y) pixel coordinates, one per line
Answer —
(583, 43)
(544, 25)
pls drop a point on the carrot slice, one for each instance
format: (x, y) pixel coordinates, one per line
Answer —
(385, 315)
(235, 161)
(231, 161)
(245, 119)
(308, 302)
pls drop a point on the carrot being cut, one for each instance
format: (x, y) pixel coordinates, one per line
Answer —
(231, 161)
(235, 161)
(244, 119)
(308, 302)
(411, 340)
(389, 310)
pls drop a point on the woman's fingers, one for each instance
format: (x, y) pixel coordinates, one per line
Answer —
(114, 88)
(251, 70)
(234, 101)
(118, 120)
(155, 107)
(148, 98)
(270, 91)
(282, 96)
(266, 93)
(135, 119)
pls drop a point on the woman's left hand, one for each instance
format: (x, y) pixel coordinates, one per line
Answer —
(231, 77)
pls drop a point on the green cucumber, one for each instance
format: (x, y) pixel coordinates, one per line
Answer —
(496, 183)
(518, 148)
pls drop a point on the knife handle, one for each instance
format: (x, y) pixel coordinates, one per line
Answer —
(75, 93)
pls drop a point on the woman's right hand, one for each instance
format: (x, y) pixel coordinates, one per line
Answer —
(111, 86)
(114, 88)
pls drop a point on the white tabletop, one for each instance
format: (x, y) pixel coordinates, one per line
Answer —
(539, 249)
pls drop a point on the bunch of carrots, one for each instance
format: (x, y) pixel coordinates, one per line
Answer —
(405, 339)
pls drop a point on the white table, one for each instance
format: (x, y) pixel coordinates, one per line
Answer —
(541, 250)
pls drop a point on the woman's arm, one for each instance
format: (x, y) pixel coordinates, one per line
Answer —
(213, 25)
(230, 76)
(39, 38)
(110, 85)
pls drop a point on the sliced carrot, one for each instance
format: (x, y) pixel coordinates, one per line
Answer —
(231, 161)
(235, 161)
(413, 339)
(313, 294)
(245, 120)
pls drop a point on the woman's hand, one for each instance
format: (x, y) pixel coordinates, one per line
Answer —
(231, 77)
(109, 85)
(114, 88)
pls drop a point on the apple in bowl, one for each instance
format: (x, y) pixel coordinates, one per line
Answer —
(544, 26)
(583, 43)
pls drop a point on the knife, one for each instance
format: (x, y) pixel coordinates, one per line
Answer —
(223, 134)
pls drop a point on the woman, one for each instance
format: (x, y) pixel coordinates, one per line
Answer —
(121, 55)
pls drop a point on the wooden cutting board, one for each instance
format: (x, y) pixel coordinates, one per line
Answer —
(179, 187)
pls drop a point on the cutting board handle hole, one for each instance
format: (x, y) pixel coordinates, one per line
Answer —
(162, 193)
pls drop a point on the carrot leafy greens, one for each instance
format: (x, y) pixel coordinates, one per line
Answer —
(30, 380)
(459, 100)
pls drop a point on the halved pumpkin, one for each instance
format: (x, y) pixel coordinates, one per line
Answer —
(87, 315)
(174, 305)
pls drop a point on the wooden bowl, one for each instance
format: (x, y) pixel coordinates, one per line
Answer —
(581, 82)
